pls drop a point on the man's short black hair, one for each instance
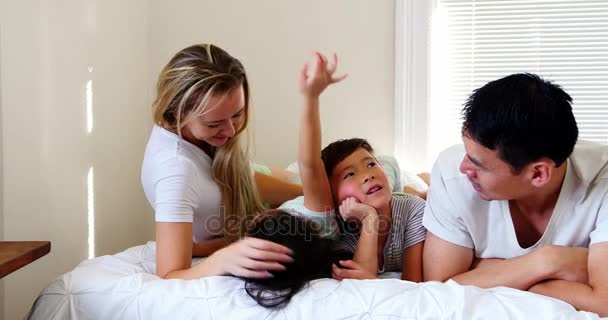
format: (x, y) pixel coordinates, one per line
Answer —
(524, 118)
(339, 150)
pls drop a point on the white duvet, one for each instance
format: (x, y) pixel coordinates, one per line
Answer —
(124, 286)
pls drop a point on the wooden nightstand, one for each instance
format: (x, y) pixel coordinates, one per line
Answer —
(16, 254)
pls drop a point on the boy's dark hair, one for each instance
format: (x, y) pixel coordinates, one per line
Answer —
(339, 150)
(524, 118)
(312, 256)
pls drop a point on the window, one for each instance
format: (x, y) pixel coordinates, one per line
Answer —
(471, 42)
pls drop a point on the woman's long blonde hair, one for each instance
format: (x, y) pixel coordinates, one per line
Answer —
(185, 86)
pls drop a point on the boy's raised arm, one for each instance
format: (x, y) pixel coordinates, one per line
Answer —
(315, 182)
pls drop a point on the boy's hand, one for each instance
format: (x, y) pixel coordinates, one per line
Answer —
(321, 76)
(350, 270)
(352, 209)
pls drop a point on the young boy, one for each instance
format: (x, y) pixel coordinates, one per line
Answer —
(388, 233)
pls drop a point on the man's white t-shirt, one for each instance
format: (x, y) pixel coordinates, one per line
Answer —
(454, 211)
(177, 178)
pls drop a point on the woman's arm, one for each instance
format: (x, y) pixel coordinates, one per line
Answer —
(412, 263)
(276, 191)
(248, 257)
(208, 247)
(174, 252)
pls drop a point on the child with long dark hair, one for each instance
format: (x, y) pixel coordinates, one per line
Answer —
(313, 256)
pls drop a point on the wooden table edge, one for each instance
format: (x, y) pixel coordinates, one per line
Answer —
(25, 258)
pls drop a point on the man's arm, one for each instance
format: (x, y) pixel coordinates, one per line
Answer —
(520, 273)
(411, 269)
(589, 297)
(444, 260)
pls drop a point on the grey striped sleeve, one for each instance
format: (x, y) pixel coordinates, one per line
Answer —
(410, 209)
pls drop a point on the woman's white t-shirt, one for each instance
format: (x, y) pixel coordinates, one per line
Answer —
(454, 211)
(178, 181)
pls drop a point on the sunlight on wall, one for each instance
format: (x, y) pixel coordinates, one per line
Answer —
(89, 105)
(91, 213)
(90, 176)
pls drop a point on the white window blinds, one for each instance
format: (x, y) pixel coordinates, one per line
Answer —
(473, 42)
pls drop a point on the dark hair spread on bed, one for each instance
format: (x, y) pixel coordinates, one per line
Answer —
(313, 257)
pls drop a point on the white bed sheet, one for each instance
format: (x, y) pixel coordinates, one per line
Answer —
(124, 286)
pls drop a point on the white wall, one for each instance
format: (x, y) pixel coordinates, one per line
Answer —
(273, 38)
(47, 48)
(1, 177)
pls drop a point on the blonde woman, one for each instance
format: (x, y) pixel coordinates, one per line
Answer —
(196, 172)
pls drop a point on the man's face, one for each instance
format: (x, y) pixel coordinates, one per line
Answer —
(359, 175)
(489, 175)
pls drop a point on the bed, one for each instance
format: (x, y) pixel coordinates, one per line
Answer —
(124, 286)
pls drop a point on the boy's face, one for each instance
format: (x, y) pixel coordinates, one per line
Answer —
(359, 175)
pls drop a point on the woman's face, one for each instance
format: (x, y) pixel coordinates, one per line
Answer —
(216, 127)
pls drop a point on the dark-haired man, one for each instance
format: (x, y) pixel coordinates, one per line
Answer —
(522, 204)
